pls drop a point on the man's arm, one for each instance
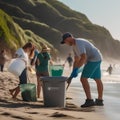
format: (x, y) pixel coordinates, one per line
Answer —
(79, 61)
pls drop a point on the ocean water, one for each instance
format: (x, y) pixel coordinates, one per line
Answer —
(111, 97)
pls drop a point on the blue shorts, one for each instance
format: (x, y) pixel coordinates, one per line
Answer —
(23, 77)
(92, 70)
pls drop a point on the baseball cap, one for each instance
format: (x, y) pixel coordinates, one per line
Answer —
(65, 35)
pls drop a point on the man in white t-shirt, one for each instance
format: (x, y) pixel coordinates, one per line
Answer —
(88, 55)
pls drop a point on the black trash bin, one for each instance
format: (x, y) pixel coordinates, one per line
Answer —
(54, 91)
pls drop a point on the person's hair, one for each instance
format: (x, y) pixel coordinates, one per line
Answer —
(29, 45)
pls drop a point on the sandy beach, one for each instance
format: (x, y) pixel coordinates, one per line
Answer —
(18, 109)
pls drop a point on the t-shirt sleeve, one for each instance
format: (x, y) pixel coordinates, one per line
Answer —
(19, 53)
(81, 49)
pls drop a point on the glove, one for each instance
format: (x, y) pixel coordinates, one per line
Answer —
(74, 73)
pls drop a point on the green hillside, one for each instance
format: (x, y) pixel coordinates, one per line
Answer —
(12, 36)
(50, 18)
(8, 32)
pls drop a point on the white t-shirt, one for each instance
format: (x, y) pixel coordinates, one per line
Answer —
(22, 54)
(83, 46)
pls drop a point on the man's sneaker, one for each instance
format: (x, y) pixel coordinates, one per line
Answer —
(88, 103)
(99, 102)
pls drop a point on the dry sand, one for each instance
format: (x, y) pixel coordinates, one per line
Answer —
(18, 109)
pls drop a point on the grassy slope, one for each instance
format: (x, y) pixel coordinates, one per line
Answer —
(8, 35)
(12, 36)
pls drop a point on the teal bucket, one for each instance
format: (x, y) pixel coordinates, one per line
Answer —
(56, 70)
(28, 92)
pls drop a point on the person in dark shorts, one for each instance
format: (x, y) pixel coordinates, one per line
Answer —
(24, 53)
(43, 59)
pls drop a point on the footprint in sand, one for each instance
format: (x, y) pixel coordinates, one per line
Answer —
(61, 115)
(6, 114)
(57, 114)
(14, 116)
(70, 105)
(32, 112)
(9, 114)
(21, 118)
(18, 117)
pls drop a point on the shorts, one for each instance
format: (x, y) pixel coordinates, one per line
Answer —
(92, 70)
(39, 74)
(23, 77)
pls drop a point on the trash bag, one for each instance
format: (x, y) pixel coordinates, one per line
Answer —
(28, 92)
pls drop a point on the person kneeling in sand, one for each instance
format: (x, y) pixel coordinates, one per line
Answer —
(26, 52)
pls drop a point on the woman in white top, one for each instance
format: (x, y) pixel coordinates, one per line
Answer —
(25, 53)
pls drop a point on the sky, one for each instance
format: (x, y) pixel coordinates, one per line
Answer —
(101, 12)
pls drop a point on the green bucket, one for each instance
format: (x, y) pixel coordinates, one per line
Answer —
(28, 92)
(56, 70)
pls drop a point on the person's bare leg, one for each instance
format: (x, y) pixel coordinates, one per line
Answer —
(17, 90)
(99, 89)
(38, 87)
(86, 87)
(12, 91)
(89, 101)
